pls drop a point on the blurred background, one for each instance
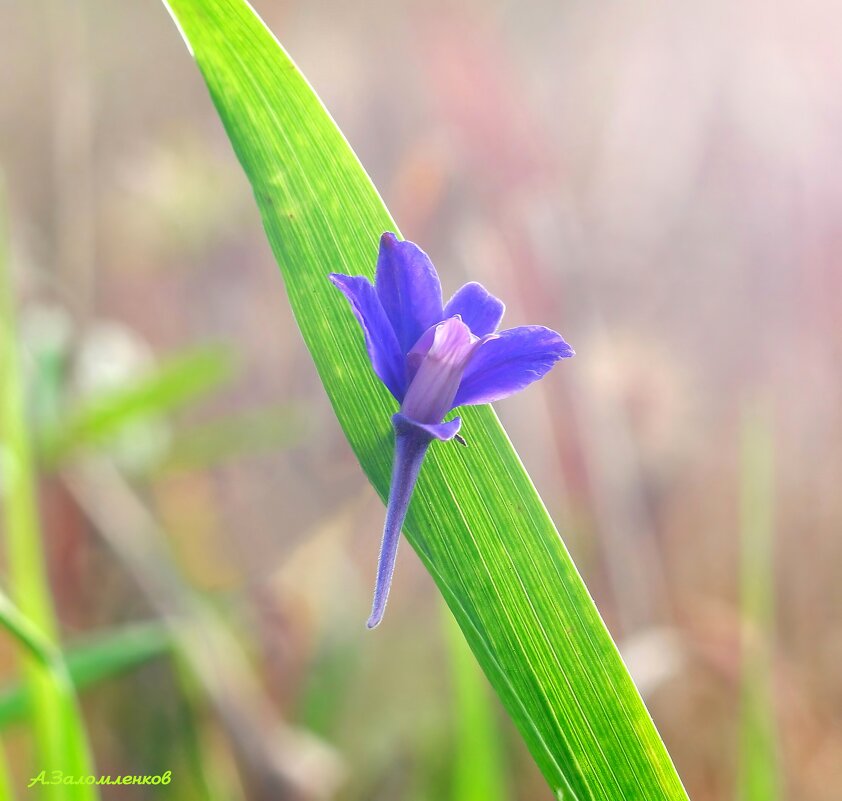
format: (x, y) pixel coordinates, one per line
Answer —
(662, 183)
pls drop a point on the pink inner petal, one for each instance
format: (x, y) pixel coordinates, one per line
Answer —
(441, 354)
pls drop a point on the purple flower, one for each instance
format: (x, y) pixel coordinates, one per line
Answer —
(433, 358)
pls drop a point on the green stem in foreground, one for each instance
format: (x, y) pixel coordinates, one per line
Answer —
(60, 735)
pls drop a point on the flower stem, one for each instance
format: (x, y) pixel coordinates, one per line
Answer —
(410, 447)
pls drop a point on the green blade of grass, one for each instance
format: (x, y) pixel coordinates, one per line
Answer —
(476, 520)
(6, 791)
(60, 734)
(72, 747)
(236, 436)
(105, 657)
(759, 778)
(32, 639)
(478, 770)
(177, 381)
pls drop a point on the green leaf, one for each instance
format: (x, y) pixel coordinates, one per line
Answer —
(177, 381)
(106, 656)
(476, 520)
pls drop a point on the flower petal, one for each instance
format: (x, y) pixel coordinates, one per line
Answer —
(380, 340)
(509, 362)
(441, 431)
(479, 309)
(437, 378)
(408, 288)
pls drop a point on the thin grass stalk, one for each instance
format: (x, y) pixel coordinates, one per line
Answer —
(5, 777)
(759, 775)
(59, 733)
(478, 771)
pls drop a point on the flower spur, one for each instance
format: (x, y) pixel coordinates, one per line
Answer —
(433, 358)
